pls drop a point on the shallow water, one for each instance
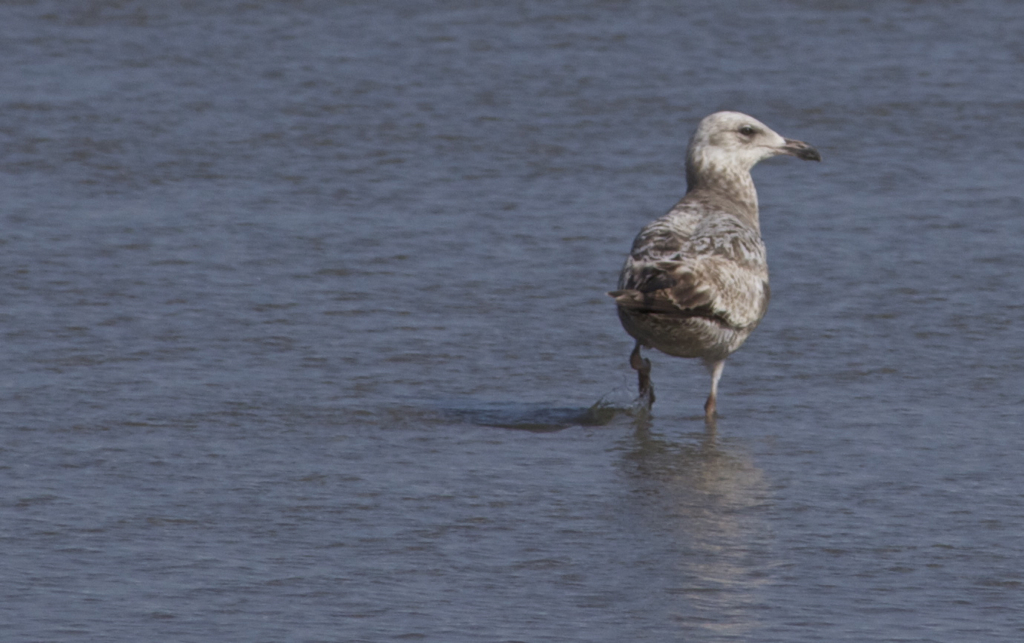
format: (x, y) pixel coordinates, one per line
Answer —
(305, 335)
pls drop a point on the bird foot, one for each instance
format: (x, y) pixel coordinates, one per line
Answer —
(646, 397)
(642, 366)
(709, 409)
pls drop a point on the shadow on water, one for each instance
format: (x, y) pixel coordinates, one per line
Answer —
(543, 418)
(611, 408)
(619, 407)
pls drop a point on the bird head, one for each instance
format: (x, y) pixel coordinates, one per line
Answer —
(735, 142)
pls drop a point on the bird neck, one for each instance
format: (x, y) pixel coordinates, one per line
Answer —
(729, 187)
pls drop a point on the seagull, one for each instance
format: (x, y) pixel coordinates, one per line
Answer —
(695, 283)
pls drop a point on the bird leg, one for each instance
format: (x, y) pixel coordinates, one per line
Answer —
(716, 374)
(642, 366)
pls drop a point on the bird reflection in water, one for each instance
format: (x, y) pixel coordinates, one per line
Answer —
(699, 508)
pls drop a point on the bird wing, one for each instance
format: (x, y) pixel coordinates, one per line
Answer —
(716, 268)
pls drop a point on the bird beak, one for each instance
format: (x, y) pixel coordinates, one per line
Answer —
(800, 150)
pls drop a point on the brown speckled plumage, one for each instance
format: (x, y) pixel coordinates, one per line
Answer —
(696, 281)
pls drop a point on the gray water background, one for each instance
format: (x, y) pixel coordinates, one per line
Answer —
(303, 312)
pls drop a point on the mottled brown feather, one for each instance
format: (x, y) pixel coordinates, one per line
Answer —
(695, 283)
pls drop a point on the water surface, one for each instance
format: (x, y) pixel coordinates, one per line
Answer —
(304, 324)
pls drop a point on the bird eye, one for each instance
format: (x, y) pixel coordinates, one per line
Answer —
(747, 130)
